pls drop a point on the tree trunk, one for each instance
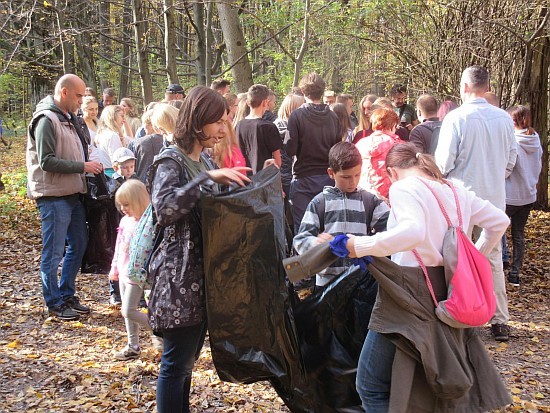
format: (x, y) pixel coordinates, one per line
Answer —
(170, 41)
(85, 57)
(104, 13)
(537, 96)
(198, 24)
(124, 74)
(305, 38)
(208, 45)
(142, 55)
(66, 46)
(236, 46)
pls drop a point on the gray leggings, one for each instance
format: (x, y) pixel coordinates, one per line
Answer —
(131, 296)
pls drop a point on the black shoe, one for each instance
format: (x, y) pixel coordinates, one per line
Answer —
(64, 312)
(500, 332)
(115, 300)
(74, 303)
(513, 279)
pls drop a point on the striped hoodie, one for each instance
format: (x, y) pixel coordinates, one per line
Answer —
(358, 213)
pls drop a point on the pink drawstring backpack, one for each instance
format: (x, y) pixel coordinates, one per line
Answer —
(471, 298)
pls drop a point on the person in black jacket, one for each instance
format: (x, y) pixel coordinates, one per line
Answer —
(312, 130)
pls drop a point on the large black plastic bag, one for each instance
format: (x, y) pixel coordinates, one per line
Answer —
(332, 326)
(250, 322)
(103, 219)
(259, 329)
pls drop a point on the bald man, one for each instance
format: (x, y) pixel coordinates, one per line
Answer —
(57, 160)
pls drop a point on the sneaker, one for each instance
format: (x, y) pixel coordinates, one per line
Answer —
(74, 303)
(115, 300)
(513, 279)
(128, 353)
(64, 312)
(500, 332)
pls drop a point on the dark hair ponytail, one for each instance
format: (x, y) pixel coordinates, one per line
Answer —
(406, 155)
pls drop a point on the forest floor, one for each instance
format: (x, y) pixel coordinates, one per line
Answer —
(52, 366)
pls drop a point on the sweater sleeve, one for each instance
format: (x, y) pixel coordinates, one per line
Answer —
(493, 220)
(291, 137)
(447, 147)
(406, 235)
(170, 200)
(45, 147)
(309, 229)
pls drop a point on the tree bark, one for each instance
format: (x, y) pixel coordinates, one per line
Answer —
(142, 53)
(197, 21)
(236, 46)
(305, 39)
(66, 46)
(170, 41)
(124, 74)
(85, 56)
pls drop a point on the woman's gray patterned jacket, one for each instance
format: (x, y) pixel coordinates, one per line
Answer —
(176, 271)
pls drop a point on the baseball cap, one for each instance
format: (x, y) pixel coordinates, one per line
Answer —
(174, 88)
(122, 155)
(329, 93)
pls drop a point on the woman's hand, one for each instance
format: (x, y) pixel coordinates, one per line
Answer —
(226, 176)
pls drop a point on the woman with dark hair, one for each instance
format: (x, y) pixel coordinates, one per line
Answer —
(417, 227)
(177, 307)
(521, 185)
(345, 131)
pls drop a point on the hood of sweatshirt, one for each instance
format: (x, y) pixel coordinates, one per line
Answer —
(48, 104)
(317, 110)
(530, 143)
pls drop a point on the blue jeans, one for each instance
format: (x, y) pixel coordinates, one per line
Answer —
(182, 347)
(374, 370)
(63, 220)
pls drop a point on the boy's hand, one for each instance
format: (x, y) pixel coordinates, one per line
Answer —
(324, 237)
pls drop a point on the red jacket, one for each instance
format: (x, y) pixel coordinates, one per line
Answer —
(374, 150)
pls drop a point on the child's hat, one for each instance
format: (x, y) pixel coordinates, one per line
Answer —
(122, 155)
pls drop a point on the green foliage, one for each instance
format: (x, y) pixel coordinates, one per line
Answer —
(16, 186)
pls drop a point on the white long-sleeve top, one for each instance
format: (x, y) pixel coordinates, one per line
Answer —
(107, 143)
(416, 221)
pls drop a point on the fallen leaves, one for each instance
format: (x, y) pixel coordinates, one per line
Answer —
(51, 366)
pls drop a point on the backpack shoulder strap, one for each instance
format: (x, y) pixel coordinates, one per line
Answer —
(320, 198)
(443, 210)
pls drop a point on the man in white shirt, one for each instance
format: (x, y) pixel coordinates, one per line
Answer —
(477, 147)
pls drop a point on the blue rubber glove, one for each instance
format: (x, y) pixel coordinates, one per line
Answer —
(338, 248)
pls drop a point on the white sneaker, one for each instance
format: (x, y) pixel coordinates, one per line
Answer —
(128, 353)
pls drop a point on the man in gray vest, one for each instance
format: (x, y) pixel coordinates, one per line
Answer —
(56, 166)
(477, 147)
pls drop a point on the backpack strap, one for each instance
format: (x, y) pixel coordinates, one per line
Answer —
(449, 223)
(443, 210)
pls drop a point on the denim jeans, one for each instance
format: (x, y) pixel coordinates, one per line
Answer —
(518, 216)
(63, 219)
(505, 255)
(133, 318)
(373, 380)
(182, 347)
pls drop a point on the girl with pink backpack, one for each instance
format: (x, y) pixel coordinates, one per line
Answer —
(406, 333)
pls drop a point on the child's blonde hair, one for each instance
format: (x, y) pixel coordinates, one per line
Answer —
(133, 192)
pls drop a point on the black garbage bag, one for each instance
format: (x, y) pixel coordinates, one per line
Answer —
(332, 326)
(252, 335)
(259, 329)
(103, 218)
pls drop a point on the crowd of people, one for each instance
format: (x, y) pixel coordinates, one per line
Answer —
(365, 177)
